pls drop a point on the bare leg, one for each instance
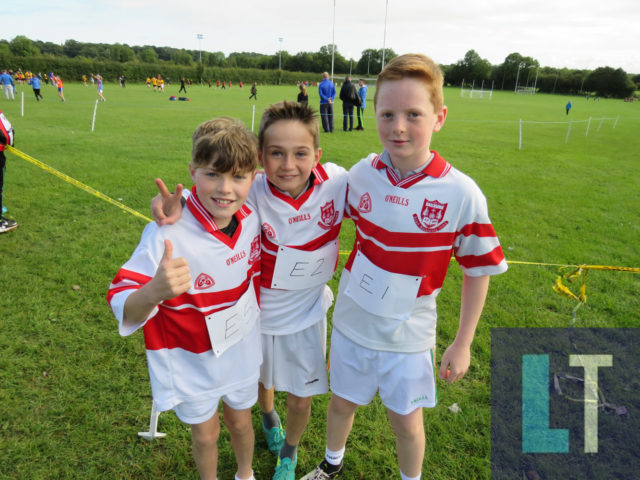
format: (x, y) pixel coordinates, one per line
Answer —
(298, 413)
(242, 438)
(339, 422)
(265, 398)
(410, 440)
(205, 447)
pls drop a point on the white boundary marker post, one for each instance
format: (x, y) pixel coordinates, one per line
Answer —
(93, 121)
(586, 134)
(600, 124)
(616, 122)
(22, 104)
(153, 424)
(253, 116)
(462, 88)
(566, 140)
(520, 141)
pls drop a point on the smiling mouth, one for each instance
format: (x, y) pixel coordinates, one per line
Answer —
(222, 201)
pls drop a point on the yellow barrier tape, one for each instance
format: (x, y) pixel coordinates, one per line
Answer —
(75, 182)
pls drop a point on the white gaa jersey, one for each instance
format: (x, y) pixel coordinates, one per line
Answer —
(304, 224)
(182, 365)
(406, 232)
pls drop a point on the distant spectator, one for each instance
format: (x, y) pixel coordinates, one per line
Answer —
(327, 92)
(35, 84)
(7, 81)
(182, 87)
(254, 91)
(350, 98)
(362, 93)
(302, 96)
(568, 107)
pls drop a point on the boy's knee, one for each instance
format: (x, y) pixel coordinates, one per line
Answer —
(239, 425)
(298, 404)
(206, 438)
(341, 406)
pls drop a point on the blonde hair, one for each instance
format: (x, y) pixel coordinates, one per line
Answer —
(287, 110)
(227, 143)
(418, 66)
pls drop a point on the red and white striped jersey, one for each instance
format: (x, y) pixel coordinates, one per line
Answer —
(182, 365)
(306, 223)
(411, 227)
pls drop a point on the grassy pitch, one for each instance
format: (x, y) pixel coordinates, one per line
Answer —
(73, 394)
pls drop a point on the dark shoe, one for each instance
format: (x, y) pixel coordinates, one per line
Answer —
(7, 225)
(324, 471)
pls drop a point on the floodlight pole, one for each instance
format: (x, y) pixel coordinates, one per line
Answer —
(520, 65)
(280, 52)
(536, 81)
(333, 38)
(200, 36)
(555, 81)
(384, 38)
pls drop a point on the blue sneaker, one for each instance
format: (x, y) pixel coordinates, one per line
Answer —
(286, 469)
(275, 436)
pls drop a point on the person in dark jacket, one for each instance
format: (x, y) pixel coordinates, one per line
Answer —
(349, 97)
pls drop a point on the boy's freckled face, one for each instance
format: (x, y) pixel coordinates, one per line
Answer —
(222, 194)
(406, 121)
(288, 156)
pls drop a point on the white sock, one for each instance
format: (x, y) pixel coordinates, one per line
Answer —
(405, 477)
(250, 478)
(334, 458)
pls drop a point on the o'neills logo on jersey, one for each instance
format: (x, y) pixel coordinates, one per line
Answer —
(431, 216)
(236, 258)
(254, 256)
(397, 200)
(203, 282)
(299, 218)
(268, 230)
(328, 216)
(365, 203)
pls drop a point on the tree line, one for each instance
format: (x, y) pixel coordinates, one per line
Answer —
(73, 58)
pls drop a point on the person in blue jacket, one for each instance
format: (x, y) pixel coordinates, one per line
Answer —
(7, 81)
(327, 92)
(35, 84)
(568, 107)
(362, 93)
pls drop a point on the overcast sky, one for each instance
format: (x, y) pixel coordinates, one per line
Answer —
(558, 33)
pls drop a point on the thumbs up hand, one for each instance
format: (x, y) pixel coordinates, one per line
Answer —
(172, 277)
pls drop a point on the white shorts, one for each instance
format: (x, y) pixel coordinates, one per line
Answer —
(405, 381)
(296, 363)
(194, 412)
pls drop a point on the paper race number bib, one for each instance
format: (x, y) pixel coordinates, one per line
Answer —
(381, 292)
(297, 269)
(227, 327)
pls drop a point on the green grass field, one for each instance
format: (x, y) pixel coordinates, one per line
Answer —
(73, 394)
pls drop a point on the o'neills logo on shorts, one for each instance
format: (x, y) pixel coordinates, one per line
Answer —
(328, 216)
(431, 216)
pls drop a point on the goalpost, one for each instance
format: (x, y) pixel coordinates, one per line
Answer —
(569, 124)
(474, 93)
(526, 90)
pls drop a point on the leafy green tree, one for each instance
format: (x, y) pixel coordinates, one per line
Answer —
(636, 79)
(180, 57)
(148, 55)
(610, 82)
(21, 46)
(213, 59)
(370, 62)
(472, 68)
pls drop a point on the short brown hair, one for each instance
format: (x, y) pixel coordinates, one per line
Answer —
(214, 125)
(234, 148)
(290, 111)
(418, 66)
